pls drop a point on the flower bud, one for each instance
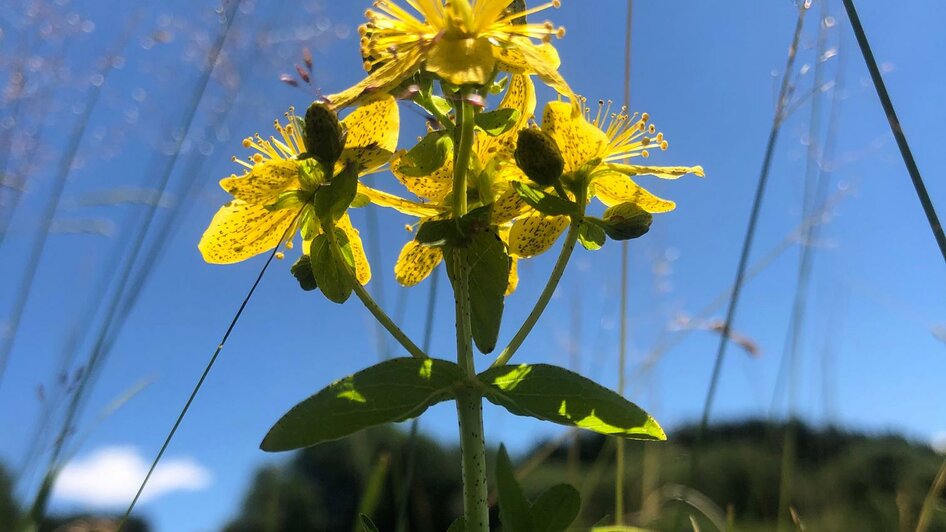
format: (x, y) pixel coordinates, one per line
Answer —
(324, 138)
(539, 157)
(302, 271)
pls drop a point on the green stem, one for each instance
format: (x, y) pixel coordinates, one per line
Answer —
(564, 255)
(386, 321)
(462, 161)
(373, 306)
(469, 401)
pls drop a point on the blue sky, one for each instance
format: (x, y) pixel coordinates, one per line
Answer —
(706, 74)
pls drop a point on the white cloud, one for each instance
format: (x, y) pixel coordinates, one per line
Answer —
(110, 477)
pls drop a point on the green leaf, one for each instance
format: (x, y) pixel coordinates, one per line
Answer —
(498, 121)
(591, 235)
(489, 267)
(543, 202)
(625, 221)
(311, 174)
(438, 233)
(333, 199)
(555, 394)
(427, 156)
(555, 509)
(329, 266)
(302, 271)
(513, 505)
(291, 199)
(360, 201)
(458, 525)
(394, 390)
(441, 104)
(366, 524)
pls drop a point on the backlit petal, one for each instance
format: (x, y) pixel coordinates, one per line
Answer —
(613, 189)
(578, 140)
(533, 235)
(371, 133)
(520, 95)
(416, 262)
(663, 172)
(241, 230)
(527, 58)
(362, 268)
(398, 203)
(386, 77)
(264, 182)
(433, 187)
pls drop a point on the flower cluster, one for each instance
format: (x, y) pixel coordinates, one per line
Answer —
(477, 170)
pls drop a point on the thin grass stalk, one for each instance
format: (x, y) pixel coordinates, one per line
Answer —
(59, 184)
(751, 228)
(622, 341)
(895, 128)
(749, 239)
(98, 352)
(200, 381)
(814, 185)
(929, 503)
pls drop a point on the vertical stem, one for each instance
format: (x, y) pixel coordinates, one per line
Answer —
(469, 402)
(462, 161)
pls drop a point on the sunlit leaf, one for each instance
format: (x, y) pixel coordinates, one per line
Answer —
(332, 200)
(543, 202)
(591, 235)
(427, 156)
(555, 394)
(498, 121)
(489, 267)
(394, 390)
(514, 508)
(329, 266)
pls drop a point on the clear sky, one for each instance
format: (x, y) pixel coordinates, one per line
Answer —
(707, 73)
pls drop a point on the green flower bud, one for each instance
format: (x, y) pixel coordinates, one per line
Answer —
(539, 157)
(302, 271)
(626, 221)
(324, 138)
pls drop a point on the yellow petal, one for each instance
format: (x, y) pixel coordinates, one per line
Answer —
(533, 235)
(613, 189)
(520, 95)
(371, 133)
(513, 277)
(508, 204)
(264, 182)
(412, 208)
(415, 263)
(383, 79)
(433, 187)
(578, 140)
(524, 57)
(466, 61)
(663, 172)
(241, 230)
(362, 268)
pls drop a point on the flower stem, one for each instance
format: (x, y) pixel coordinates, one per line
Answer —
(564, 255)
(469, 401)
(373, 306)
(463, 153)
(386, 321)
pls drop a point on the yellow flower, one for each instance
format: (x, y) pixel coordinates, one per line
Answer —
(461, 41)
(259, 217)
(491, 153)
(592, 148)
